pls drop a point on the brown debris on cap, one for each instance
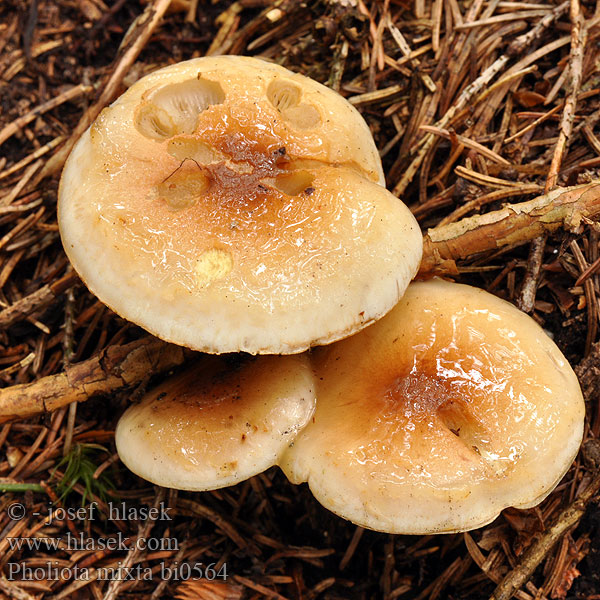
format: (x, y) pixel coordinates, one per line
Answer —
(213, 426)
(226, 204)
(451, 408)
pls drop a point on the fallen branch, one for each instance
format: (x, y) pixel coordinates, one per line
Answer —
(511, 225)
(114, 368)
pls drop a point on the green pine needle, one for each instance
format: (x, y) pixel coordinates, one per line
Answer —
(21, 487)
(80, 467)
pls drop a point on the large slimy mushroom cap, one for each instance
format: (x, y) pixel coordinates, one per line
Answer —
(451, 408)
(213, 426)
(227, 204)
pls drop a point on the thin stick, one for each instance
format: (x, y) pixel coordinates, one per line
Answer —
(116, 367)
(35, 301)
(578, 35)
(144, 530)
(138, 36)
(468, 143)
(515, 48)
(20, 186)
(177, 559)
(524, 14)
(19, 123)
(526, 299)
(534, 555)
(33, 156)
(68, 354)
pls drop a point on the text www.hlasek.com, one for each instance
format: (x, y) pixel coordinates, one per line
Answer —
(79, 542)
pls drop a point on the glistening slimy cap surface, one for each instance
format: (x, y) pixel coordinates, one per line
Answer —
(451, 408)
(215, 425)
(227, 204)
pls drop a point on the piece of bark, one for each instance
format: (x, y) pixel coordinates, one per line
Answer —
(114, 368)
(36, 301)
(511, 225)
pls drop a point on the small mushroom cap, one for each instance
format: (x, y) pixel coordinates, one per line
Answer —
(227, 204)
(451, 408)
(212, 426)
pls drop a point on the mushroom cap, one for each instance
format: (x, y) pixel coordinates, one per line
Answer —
(451, 408)
(227, 204)
(212, 426)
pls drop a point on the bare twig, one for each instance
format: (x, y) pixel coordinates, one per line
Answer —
(137, 38)
(144, 530)
(514, 224)
(19, 123)
(68, 354)
(569, 517)
(114, 368)
(468, 144)
(526, 298)
(578, 35)
(35, 301)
